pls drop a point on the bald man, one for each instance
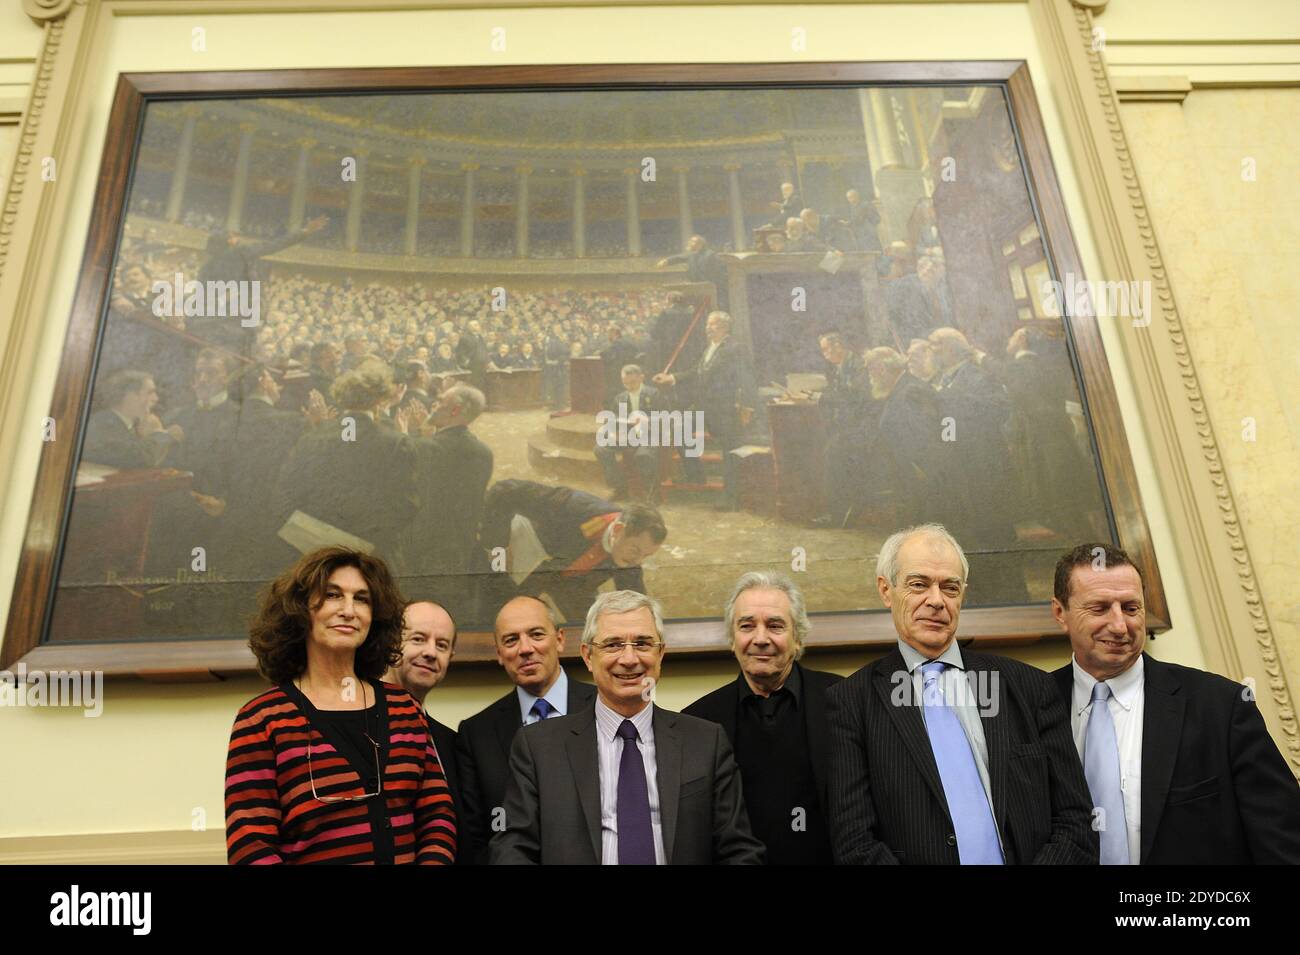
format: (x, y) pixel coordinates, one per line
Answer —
(529, 641)
(428, 645)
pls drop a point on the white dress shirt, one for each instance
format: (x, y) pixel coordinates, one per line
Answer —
(610, 748)
(557, 696)
(959, 690)
(1126, 703)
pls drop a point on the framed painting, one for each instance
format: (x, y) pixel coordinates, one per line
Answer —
(557, 329)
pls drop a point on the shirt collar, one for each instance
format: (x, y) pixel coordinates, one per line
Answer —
(913, 657)
(793, 683)
(557, 696)
(129, 422)
(216, 401)
(1124, 687)
(608, 721)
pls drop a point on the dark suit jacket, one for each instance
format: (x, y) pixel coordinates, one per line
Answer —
(886, 799)
(904, 452)
(444, 739)
(264, 436)
(553, 797)
(1215, 789)
(557, 515)
(455, 468)
(471, 352)
(790, 209)
(667, 331)
(110, 441)
(367, 487)
(482, 757)
(720, 384)
(205, 449)
(722, 704)
(845, 401)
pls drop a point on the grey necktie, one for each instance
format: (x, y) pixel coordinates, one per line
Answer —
(1101, 767)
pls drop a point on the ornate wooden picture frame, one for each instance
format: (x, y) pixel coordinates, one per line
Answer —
(920, 199)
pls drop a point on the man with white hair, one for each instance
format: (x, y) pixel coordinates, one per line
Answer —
(945, 757)
(789, 205)
(646, 785)
(774, 714)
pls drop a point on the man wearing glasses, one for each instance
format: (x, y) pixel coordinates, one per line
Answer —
(646, 785)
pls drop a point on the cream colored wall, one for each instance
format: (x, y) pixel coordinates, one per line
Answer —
(1230, 246)
(157, 752)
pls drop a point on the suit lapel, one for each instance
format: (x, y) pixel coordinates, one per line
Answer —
(1162, 727)
(584, 760)
(907, 721)
(668, 757)
(1064, 680)
(507, 723)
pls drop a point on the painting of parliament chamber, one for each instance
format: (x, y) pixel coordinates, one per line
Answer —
(877, 252)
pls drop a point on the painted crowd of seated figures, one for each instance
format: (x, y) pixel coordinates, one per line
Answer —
(256, 415)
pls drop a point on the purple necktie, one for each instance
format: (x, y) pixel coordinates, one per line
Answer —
(636, 841)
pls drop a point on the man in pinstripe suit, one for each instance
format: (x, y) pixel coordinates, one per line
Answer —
(944, 757)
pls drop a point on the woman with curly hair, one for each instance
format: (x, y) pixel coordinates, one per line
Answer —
(331, 765)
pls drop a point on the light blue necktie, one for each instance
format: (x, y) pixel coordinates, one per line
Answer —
(1101, 767)
(541, 709)
(972, 819)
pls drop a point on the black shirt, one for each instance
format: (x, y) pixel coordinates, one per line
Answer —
(780, 789)
(346, 731)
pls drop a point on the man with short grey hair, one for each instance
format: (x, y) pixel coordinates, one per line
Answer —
(774, 714)
(945, 757)
(648, 786)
